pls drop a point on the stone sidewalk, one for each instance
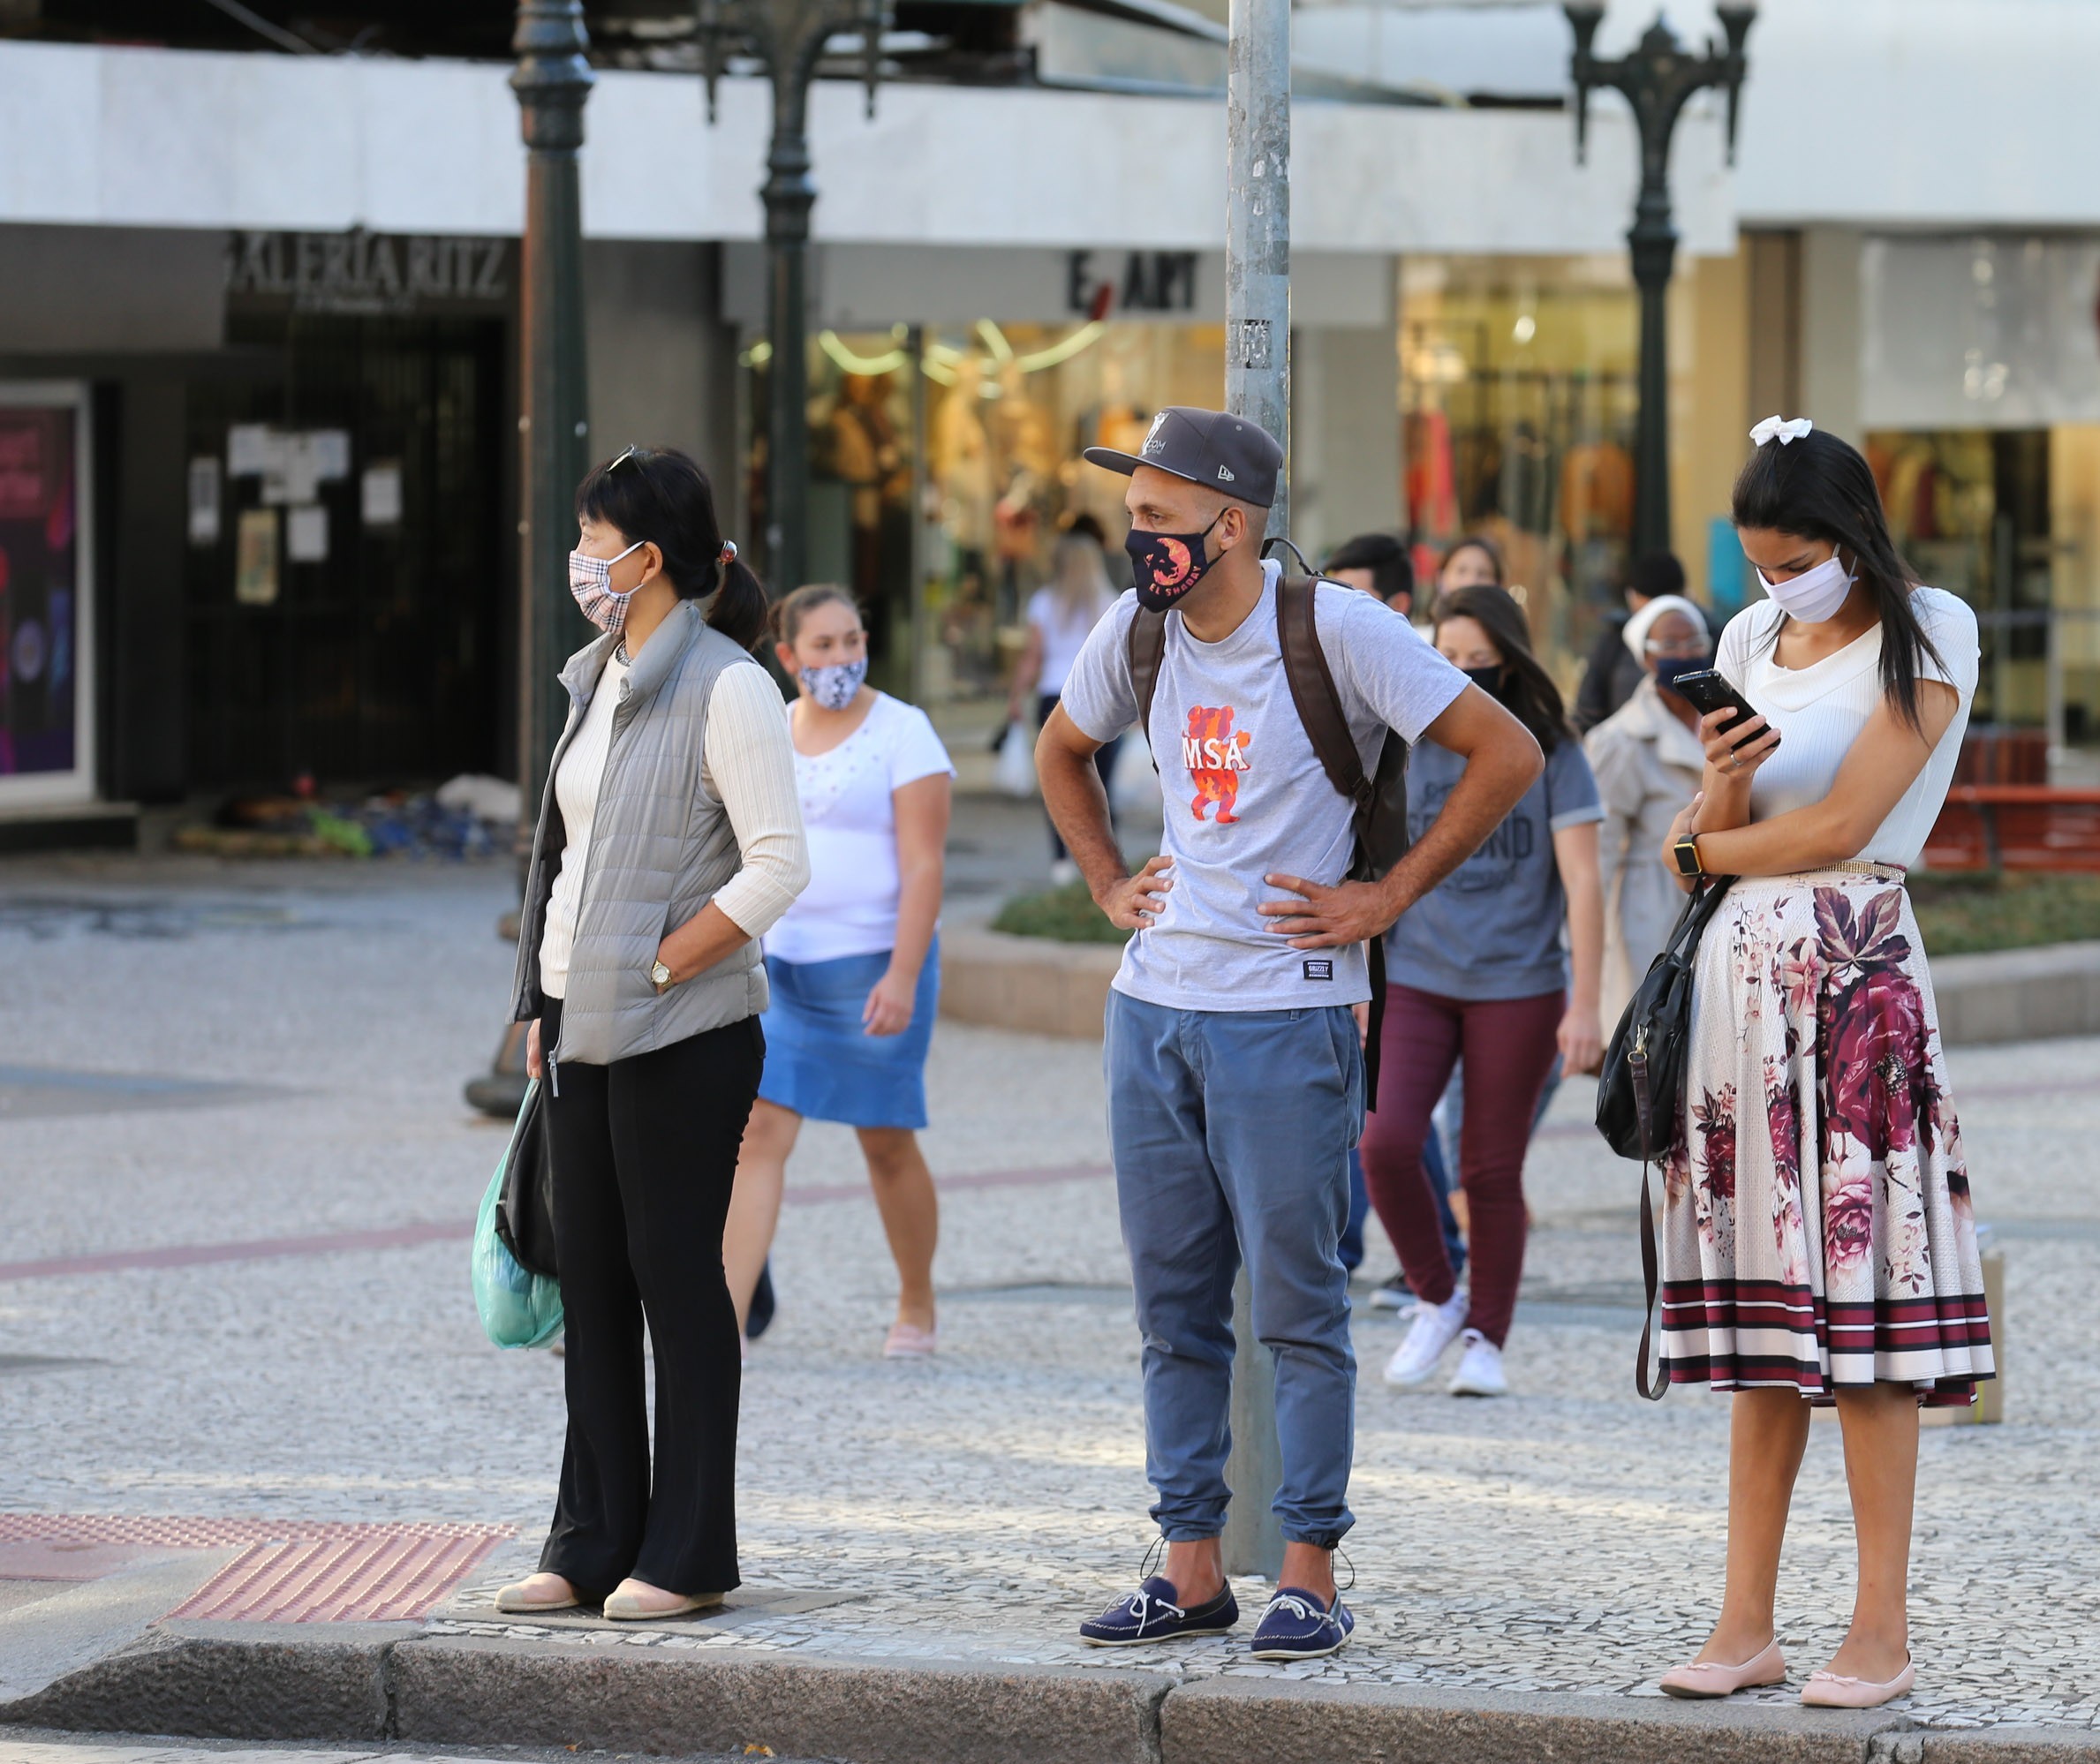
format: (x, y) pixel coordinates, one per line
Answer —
(286, 1066)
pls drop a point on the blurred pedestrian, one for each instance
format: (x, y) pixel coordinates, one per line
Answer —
(1818, 1238)
(1235, 1071)
(1613, 674)
(1061, 617)
(855, 963)
(1474, 562)
(669, 841)
(1376, 564)
(1477, 967)
(1647, 757)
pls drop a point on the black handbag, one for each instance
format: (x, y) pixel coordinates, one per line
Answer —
(525, 1211)
(1640, 1098)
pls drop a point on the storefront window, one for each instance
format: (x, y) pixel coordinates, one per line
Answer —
(46, 718)
(944, 464)
(1520, 396)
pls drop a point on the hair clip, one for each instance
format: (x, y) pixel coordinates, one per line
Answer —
(729, 551)
(1787, 429)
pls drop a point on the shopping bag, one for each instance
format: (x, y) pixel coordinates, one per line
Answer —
(1014, 769)
(518, 1309)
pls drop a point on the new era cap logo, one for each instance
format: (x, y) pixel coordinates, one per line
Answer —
(1224, 477)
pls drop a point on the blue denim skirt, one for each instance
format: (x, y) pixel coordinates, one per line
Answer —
(821, 1062)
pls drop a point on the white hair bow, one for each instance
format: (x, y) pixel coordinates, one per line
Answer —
(1788, 429)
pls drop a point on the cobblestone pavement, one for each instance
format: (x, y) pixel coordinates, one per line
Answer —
(1569, 1538)
(69, 1749)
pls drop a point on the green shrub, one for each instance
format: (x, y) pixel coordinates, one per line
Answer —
(1961, 913)
(1067, 915)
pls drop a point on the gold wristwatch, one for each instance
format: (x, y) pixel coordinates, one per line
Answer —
(660, 976)
(1687, 853)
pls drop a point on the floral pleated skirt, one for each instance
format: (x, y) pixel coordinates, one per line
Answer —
(1817, 1233)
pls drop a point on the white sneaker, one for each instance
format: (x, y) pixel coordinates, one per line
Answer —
(1434, 1329)
(1063, 873)
(1479, 1369)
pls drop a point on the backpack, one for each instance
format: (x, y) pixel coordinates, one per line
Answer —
(1377, 801)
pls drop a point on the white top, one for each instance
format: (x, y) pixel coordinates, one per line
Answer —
(1064, 635)
(743, 760)
(1820, 710)
(851, 905)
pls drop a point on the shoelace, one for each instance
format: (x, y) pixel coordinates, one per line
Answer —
(1141, 1604)
(1298, 1607)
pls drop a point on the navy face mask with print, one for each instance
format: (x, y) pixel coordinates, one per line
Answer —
(1669, 669)
(1165, 566)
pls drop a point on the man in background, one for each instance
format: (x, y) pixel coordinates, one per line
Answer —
(1612, 674)
(1376, 564)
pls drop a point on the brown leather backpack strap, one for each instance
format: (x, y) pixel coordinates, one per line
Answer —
(1147, 649)
(1313, 691)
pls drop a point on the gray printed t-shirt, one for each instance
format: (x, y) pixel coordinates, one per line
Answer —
(1245, 795)
(1492, 927)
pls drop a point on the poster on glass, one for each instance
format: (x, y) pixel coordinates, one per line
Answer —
(46, 712)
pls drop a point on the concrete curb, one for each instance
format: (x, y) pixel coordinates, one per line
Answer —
(358, 1683)
(1034, 984)
(2017, 994)
(1050, 988)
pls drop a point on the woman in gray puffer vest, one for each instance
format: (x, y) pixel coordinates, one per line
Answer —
(669, 839)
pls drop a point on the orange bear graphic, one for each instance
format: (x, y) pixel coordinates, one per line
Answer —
(1215, 758)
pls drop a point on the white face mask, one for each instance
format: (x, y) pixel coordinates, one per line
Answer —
(1814, 594)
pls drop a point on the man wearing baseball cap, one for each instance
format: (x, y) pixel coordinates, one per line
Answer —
(1234, 1063)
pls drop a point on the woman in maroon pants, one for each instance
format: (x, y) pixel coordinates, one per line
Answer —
(1476, 969)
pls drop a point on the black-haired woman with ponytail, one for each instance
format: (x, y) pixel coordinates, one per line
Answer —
(1476, 969)
(1818, 1242)
(669, 839)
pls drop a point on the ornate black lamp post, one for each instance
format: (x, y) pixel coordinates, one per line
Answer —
(1657, 79)
(787, 38)
(552, 81)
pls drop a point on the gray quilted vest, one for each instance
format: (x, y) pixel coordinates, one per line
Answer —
(660, 846)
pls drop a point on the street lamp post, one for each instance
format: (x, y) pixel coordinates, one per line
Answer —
(1257, 386)
(552, 81)
(1657, 78)
(787, 38)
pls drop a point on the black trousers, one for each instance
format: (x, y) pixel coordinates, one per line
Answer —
(645, 1158)
(1104, 764)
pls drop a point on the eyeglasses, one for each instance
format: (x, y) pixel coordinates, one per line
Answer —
(1683, 645)
(633, 452)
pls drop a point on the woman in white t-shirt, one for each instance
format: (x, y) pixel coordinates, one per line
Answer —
(854, 966)
(1818, 1241)
(1061, 618)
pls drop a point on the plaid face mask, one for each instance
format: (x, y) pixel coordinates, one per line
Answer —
(591, 581)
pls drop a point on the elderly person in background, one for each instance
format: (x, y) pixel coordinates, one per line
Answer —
(1648, 760)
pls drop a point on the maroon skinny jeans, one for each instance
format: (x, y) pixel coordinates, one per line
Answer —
(1508, 1046)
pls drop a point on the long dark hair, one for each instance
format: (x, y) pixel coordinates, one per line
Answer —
(661, 495)
(1527, 690)
(1487, 548)
(1819, 487)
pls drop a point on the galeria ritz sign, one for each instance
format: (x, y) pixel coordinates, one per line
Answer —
(369, 273)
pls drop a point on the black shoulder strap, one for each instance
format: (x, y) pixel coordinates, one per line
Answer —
(1147, 646)
(1313, 691)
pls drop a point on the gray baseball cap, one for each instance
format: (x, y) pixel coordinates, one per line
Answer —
(1211, 447)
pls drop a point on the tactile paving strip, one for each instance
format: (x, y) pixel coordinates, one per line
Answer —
(289, 1570)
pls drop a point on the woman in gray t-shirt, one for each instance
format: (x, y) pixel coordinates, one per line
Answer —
(1478, 969)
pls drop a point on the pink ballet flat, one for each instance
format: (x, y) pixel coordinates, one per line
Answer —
(1718, 1678)
(1835, 1691)
(909, 1341)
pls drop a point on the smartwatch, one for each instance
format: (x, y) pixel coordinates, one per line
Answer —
(1686, 851)
(660, 976)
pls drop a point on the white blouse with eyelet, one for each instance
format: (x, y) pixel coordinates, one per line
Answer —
(1819, 711)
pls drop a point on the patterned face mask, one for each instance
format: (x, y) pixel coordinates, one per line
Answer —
(591, 581)
(834, 687)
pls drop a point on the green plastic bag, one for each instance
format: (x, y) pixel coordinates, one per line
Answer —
(518, 1309)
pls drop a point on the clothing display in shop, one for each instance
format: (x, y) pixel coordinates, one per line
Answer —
(1597, 491)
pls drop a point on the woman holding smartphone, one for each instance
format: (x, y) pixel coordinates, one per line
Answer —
(1818, 1243)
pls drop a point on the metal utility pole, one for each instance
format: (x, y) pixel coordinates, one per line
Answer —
(1257, 386)
(1657, 79)
(787, 38)
(552, 81)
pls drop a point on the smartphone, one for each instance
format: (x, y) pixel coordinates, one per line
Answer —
(1710, 690)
